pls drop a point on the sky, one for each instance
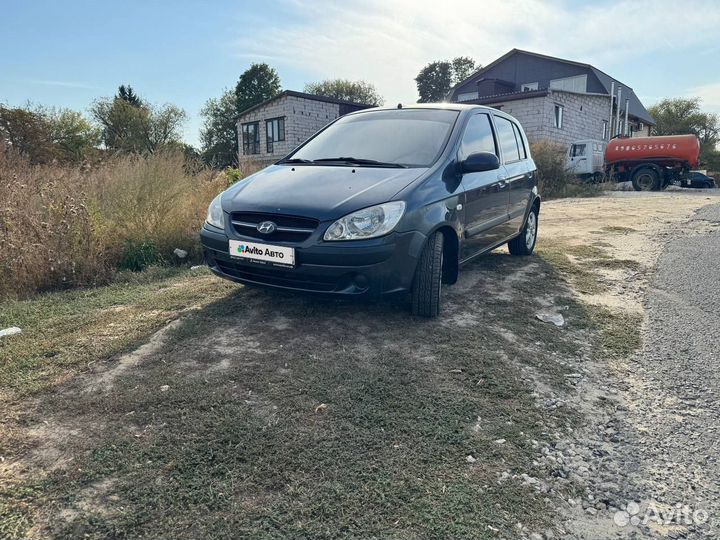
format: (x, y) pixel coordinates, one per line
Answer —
(68, 53)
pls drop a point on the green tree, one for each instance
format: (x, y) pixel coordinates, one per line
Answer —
(27, 132)
(218, 136)
(257, 84)
(132, 128)
(677, 116)
(462, 68)
(437, 78)
(434, 81)
(74, 137)
(355, 91)
(126, 93)
(680, 116)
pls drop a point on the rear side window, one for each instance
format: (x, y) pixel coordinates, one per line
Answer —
(520, 142)
(507, 140)
(478, 137)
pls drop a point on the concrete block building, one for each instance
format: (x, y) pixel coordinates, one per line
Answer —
(554, 99)
(270, 130)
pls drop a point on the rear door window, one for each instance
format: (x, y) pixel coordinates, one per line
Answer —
(507, 140)
(478, 137)
(520, 142)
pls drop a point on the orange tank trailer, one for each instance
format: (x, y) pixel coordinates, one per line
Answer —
(669, 149)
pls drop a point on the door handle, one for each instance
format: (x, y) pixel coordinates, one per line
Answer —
(502, 184)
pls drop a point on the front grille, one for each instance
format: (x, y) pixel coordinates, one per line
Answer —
(276, 276)
(289, 228)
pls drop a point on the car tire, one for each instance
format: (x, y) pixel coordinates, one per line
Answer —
(646, 179)
(524, 243)
(427, 285)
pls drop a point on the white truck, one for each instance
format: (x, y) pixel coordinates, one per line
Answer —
(586, 160)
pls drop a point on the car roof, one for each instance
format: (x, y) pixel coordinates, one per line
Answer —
(439, 106)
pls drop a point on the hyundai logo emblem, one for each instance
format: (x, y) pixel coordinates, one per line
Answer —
(266, 227)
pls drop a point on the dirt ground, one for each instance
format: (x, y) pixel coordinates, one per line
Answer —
(628, 226)
(267, 415)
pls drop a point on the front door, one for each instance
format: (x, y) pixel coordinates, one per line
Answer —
(486, 194)
(578, 161)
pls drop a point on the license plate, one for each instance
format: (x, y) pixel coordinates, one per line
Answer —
(263, 253)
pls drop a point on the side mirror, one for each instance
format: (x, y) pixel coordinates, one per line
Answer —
(481, 161)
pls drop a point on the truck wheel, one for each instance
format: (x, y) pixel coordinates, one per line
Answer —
(646, 179)
(524, 243)
(598, 177)
(427, 284)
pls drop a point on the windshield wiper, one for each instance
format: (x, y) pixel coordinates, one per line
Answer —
(361, 161)
(295, 160)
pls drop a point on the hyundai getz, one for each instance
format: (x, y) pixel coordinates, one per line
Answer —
(381, 201)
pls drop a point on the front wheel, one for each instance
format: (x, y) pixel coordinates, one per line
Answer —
(524, 243)
(646, 179)
(427, 284)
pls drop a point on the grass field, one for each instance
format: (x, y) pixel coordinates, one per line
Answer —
(265, 415)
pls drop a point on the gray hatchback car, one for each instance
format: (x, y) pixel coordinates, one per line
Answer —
(381, 201)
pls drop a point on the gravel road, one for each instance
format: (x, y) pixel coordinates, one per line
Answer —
(652, 454)
(679, 404)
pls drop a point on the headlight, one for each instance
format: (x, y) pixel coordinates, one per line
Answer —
(367, 223)
(215, 216)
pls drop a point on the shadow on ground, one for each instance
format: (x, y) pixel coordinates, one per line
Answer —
(269, 415)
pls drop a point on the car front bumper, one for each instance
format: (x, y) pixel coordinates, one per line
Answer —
(373, 267)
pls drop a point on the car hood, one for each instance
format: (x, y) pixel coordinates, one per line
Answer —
(323, 192)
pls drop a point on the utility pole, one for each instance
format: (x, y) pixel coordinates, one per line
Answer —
(617, 111)
(626, 126)
(608, 135)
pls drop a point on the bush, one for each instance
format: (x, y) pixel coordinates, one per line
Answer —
(554, 180)
(137, 256)
(66, 226)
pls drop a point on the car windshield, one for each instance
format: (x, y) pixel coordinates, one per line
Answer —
(401, 137)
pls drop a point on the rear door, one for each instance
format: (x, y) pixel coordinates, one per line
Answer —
(519, 172)
(485, 193)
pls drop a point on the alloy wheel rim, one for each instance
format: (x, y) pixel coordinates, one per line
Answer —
(530, 230)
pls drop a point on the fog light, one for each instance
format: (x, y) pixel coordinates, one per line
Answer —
(361, 282)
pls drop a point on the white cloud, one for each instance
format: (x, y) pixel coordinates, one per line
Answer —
(64, 84)
(709, 94)
(388, 42)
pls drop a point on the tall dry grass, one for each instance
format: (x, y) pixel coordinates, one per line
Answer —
(66, 226)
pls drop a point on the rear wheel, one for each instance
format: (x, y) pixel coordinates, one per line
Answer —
(524, 243)
(427, 284)
(646, 179)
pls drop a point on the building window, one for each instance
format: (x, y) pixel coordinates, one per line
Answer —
(251, 138)
(529, 87)
(605, 130)
(570, 84)
(558, 116)
(275, 130)
(467, 96)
